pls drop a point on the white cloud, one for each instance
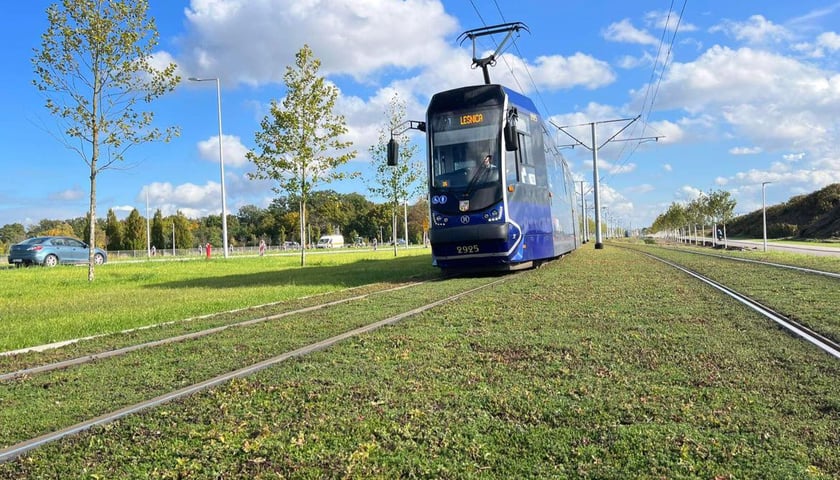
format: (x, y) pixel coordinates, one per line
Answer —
(667, 167)
(616, 168)
(815, 14)
(814, 179)
(669, 131)
(826, 41)
(745, 150)
(121, 211)
(582, 118)
(72, 194)
(669, 21)
(625, 32)
(829, 41)
(200, 200)
(235, 39)
(558, 72)
(794, 157)
(629, 62)
(233, 151)
(755, 30)
(617, 205)
(770, 100)
(643, 188)
(687, 193)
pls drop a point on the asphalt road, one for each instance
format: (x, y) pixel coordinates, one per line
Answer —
(820, 250)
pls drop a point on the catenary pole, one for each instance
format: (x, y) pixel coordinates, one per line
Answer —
(221, 158)
(585, 231)
(764, 213)
(596, 187)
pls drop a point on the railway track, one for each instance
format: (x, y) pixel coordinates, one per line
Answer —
(19, 448)
(187, 336)
(796, 328)
(762, 262)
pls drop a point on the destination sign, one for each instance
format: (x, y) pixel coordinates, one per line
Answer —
(472, 119)
(466, 119)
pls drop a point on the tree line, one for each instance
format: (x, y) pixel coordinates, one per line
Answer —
(329, 212)
(711, 209)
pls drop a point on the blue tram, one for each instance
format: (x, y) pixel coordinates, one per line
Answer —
(500, 195)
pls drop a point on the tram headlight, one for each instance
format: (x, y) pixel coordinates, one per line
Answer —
(494, 215)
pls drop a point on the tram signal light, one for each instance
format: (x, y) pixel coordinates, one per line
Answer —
(393, 152)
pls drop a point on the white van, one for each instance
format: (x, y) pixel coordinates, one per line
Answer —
(330, 241)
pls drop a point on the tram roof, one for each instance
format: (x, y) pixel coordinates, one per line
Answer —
(520, 100)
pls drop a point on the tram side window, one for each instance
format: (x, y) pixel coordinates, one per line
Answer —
(538, 156)
(512, 166)
(513, 169)
(524, 163)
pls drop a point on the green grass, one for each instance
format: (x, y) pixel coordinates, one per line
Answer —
(805, 260)
(811, 243)
(807, 242)
(41, 305)
(65, 397)
(603, 365)
(812, 300)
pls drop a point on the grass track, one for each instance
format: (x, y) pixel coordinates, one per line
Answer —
(602, 365)
(40, 305)
(810, 299)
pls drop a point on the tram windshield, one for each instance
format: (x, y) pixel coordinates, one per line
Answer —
(465, 148)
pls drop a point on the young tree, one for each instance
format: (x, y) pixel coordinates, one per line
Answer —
(300, 142)
(395, 183)
(157, 231)
(93, 68)
(135, 231)
(183, 234)
(721, 209)
(113, 231)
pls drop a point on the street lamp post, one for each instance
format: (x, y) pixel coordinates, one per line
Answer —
(221, 159)
(764, 213)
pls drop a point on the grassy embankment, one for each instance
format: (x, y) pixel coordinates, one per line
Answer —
(603, 365)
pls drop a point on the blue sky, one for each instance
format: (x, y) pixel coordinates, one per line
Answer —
(749, 94)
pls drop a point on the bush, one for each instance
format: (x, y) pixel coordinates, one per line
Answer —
(782, 230)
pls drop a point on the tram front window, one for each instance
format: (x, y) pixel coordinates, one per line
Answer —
(465, 149)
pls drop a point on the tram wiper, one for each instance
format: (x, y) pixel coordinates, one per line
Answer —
(482, 173)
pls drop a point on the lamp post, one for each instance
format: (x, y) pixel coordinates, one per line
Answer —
(221, 159)
(764, 213)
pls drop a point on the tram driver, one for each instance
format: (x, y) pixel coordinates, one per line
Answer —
(488, 171)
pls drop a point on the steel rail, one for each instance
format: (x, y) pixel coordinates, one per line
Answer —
(187, 336)
(815, 338)
(761, 262)
(19, 449)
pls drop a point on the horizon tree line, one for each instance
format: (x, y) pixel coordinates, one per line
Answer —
(351, 215)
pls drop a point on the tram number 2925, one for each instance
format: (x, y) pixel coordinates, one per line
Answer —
(463, 249)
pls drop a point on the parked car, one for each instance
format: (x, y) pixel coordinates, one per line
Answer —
(291, 246)
(330, 241)
(51, 251)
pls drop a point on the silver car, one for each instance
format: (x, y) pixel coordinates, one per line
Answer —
(54, 250)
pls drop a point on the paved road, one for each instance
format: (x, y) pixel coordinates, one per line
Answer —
(806, 249)
(821, 250)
